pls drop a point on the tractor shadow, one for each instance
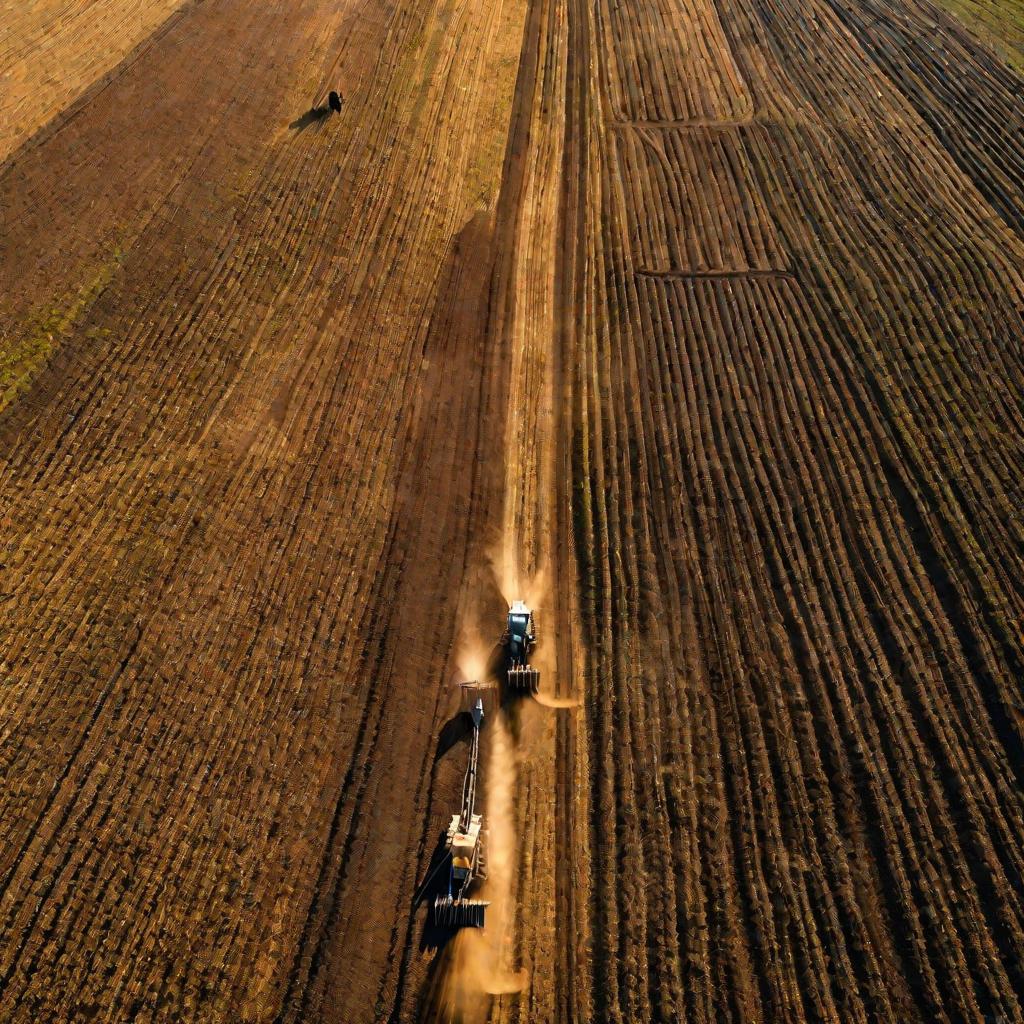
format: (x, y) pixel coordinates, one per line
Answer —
(315, 115)
(512, 699)
(496, 665)
(497, 669)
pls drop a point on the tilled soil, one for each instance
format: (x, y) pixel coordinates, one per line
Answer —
(698, 324)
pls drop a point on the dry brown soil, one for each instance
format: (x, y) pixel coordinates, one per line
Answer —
(698, 322)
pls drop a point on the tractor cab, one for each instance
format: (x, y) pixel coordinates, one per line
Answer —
(520, 633)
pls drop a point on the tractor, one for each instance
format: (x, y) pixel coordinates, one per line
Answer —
(519, 641)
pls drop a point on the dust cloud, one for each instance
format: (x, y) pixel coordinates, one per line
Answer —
(557, 703)
(472, 655)
(514, 584)
(480, 965)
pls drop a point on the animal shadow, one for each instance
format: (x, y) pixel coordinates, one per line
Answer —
(315, 115)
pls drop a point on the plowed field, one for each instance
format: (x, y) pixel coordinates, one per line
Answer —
(697, 323)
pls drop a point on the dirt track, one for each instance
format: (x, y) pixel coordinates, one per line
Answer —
(699, 322)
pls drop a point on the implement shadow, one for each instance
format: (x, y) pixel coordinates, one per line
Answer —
(456, 729)
(434, 937)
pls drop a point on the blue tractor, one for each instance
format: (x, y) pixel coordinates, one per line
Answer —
(519, 641)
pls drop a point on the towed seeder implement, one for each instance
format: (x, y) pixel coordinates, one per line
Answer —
(464, 839)
(464, 848)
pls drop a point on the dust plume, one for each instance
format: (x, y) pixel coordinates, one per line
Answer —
(547, 701)
(472, 654)
(481, 960)
(545, 659)
(514, 584)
